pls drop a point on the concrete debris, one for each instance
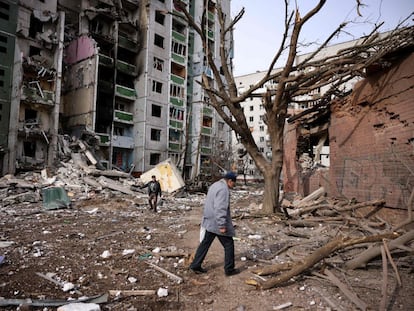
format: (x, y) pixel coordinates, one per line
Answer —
(79, 177)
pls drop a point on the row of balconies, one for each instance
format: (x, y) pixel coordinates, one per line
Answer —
(120, 65)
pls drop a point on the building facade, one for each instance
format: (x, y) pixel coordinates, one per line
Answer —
(119, 74)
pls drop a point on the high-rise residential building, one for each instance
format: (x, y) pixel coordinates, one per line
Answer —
(120, 74)
(31, 36)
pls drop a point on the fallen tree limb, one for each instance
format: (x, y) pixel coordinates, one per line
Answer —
(361, 260)
(352, 207)
(328, 275)
(321, 253)
(273, 268)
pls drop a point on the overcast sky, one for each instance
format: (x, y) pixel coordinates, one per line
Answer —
(257, 35)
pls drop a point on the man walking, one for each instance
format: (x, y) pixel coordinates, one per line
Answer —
(154, 189)
(217, 223)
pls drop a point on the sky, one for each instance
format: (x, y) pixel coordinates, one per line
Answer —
(258, 34)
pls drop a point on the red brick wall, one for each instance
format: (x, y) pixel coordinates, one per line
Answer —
(372, 138)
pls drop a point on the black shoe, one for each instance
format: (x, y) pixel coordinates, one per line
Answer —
(232, 272)
(198, 270)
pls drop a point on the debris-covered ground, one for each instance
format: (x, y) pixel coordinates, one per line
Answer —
(107, 248)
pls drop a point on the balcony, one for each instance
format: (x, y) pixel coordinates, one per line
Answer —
(103, 139)
(125, 92)
(206, 130)
(205, 150)
(128, 43)
(207, 111)
(126, 67)
(123, 117)
(176, 124)
(37, 95)
(179, 37)
(105, 60)
(177, 101)
(174, 146)
(125, 142)
(180, 59)
(177, 80)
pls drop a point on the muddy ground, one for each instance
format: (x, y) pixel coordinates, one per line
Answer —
(110, 242)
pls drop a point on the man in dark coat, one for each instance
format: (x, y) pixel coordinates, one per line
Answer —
(154, 189)
(217, 223)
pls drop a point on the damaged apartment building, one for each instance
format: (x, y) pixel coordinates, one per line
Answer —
(121, 74)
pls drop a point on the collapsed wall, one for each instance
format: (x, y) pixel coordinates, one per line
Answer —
(372, 136)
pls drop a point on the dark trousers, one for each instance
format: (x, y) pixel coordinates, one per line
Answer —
(228, 245)
(153, 199)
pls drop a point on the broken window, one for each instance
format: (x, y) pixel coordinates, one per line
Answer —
(176, 113)
(2, 73)
(34, 51)
(155, 134)
(159, 41)
(178, 48)
(4, 7)
(3, 46)
(119, 131)
(158, 64)
(159, 17)
(207, 121)
(176, 91)
(157, 87)
(30, 117)
(178, 27)
(36, 26)
(156, 111)
(155, 158)
(29, 149)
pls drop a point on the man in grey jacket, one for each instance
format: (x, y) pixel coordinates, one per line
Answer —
(217, 223)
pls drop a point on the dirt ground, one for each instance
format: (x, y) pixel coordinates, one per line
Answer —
(111, 242)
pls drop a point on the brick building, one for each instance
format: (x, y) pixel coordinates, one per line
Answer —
(371, 136)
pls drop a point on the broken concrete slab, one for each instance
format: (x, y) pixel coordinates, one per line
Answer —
(167, 174)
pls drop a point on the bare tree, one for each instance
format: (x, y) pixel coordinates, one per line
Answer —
(292, 81)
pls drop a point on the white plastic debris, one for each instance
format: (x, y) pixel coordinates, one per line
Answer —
(68, 286)
(243, 258)
(282, 306)
(106, 254)
(156, 250)
(255, 236)
(162, 292)
(131, 279)
(79, 306)
(128, 251)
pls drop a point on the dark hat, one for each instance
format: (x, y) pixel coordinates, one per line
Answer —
(230, 175)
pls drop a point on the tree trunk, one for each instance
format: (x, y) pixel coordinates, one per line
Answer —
(271, 191)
